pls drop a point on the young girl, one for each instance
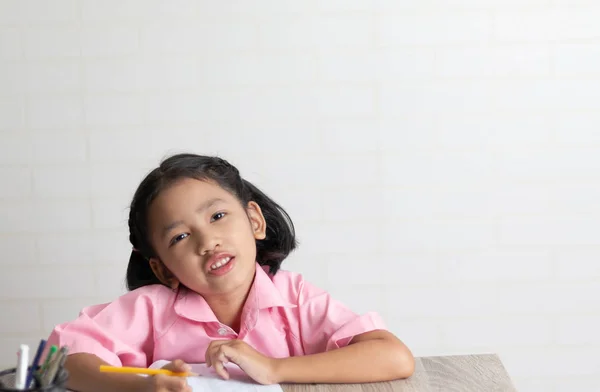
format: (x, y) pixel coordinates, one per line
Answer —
(205, 287)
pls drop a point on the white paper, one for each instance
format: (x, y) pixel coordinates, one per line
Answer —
(208, 380)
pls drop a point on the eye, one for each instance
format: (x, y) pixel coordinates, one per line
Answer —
(217, 216)
(178, 238)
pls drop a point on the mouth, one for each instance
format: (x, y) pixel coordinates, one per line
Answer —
(220, 264)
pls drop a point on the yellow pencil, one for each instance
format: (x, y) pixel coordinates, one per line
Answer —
(151, 372)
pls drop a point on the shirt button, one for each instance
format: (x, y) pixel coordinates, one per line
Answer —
(222, 331)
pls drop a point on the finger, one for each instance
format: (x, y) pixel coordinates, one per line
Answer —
(207, 359)
(222, 357)
(178, 366)
(217, 343)
(216, 356)
(230, 353)
(178, 384)
(174, 384)
(220, 370)
(212, 349)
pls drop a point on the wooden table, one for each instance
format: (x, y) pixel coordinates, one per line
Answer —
(463, 373)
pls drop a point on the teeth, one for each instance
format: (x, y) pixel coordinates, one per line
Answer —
(220, 263)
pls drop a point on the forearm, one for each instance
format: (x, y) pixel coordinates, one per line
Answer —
(84, 376)
(365, 361)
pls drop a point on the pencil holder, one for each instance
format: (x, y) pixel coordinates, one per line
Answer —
(7, 382)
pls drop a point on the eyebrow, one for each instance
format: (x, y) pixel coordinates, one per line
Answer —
(204, 206)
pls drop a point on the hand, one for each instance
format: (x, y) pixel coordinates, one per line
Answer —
(259, 367)
(164, 383)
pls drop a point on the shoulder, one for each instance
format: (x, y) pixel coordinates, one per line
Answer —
(142, 300)
(293, 287)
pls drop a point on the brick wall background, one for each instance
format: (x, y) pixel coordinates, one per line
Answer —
(439, 158)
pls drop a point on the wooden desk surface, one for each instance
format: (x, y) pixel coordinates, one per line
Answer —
(462, 373)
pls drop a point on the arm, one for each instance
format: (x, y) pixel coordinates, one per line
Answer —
(370, 357)
(344, 346)
(338, 346)
(84, 376)
(117, 333)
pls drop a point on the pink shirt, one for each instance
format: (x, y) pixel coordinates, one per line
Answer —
(283, 316)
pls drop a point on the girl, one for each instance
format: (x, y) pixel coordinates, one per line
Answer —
(205, 287)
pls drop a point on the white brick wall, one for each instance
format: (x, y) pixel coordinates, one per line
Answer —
(440, 158)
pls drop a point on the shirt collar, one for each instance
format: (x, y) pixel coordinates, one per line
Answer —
(263, 295)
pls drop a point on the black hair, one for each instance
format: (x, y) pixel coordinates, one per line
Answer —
(280, 234)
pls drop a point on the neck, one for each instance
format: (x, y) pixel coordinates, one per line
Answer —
(228, 307)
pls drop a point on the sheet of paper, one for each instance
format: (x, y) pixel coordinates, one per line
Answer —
(210, 381)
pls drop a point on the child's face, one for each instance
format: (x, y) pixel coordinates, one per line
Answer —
(195, 224)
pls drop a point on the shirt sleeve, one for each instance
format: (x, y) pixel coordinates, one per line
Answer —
(327, 324)
(120, 332)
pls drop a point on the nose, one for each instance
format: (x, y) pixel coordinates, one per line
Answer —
(208, 242)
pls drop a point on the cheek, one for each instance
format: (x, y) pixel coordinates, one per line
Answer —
(244, 238)
(177, 268)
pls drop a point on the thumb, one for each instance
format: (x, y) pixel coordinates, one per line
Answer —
(177, 366)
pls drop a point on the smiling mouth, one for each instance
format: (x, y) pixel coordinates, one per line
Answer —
(220, 263)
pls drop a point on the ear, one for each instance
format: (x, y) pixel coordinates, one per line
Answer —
(163, 274)
(257, 221)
